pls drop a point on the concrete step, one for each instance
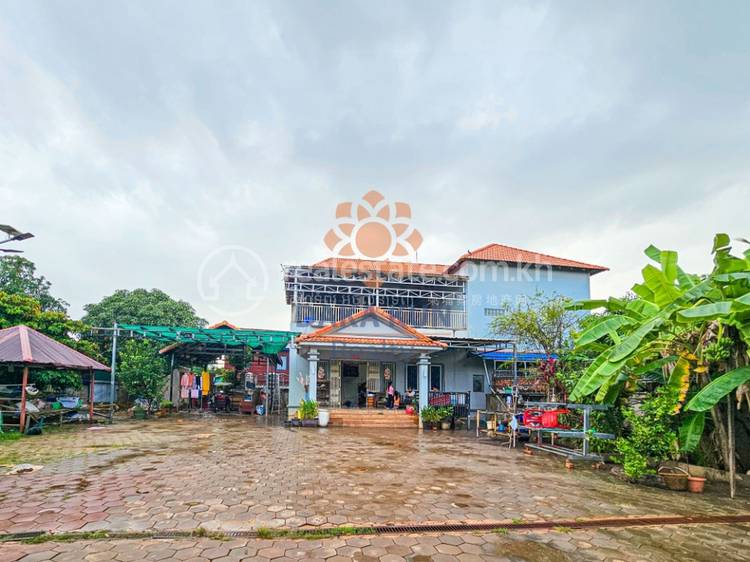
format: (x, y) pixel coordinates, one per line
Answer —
(395, 419)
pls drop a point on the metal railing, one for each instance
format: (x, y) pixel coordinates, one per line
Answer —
(459, 401)
(416, 317)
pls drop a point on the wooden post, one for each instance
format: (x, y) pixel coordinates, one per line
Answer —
(91, 396)
(730, 444)
(24, 382)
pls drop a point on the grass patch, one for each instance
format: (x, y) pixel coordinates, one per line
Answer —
(67, 537)
(501, 531)
(205, 533)
(313, 534)
(517, 521)
(563, 529)
(98, 535)
(10, 436)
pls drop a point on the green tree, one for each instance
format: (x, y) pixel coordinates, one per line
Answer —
(141, 306)
(538, 322)
(18, 309)
(59, 381)
(18, 277)
(141, 371)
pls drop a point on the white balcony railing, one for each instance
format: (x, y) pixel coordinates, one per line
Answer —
(415, 317)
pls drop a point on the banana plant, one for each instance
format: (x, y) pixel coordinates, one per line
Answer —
(670, 327)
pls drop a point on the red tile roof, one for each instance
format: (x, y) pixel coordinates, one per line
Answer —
(343, 265)
(490, 252)
(24, 345)
(499, 252)
(324, 335)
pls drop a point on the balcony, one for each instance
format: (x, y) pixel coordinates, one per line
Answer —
(415, 317)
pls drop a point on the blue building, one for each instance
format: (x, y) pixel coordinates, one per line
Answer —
(423, 327)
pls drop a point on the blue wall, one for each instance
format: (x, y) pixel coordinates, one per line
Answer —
(490, 284)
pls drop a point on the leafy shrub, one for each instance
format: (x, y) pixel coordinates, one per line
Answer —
(308, 410)
(651, 437)
(431, 414)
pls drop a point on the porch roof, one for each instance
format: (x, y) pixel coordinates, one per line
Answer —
(329, 335)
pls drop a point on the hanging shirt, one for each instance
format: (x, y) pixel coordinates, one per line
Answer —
(205, 382)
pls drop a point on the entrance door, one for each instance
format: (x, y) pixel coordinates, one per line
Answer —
(352, 377)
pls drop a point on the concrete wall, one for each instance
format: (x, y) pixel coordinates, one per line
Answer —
(490, 284)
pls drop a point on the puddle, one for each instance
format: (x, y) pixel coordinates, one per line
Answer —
(530, 551)
(449, 471)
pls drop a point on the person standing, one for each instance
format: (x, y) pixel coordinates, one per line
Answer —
(389, 393)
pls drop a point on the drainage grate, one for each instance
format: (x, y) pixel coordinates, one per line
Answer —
(604, 522)
(572, 524)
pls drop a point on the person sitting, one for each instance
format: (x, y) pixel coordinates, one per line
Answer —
(397, 400)
(409, 397)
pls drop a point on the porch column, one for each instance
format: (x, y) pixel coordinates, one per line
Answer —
(312, 378)
(423, 372)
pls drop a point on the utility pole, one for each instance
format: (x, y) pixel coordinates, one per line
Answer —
(113, 365)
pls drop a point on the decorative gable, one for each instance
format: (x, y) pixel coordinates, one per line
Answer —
(372, 326)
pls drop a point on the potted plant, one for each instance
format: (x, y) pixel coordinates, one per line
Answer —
(431, 417)
(308, 413)
(139, 412)
(446, 417)
(695, 484)
(165, 407)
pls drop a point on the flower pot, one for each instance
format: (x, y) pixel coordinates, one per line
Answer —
(675, 478)
(695, 484)
(310, 423)
(324, 417)
(445, 424)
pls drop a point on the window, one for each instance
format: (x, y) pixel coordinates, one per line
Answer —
(436, 377)
(477, 383)
(493, 311)
(412, 377)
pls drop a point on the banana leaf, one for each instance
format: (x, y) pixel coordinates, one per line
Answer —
(599, 372)
(668, 260)
(707, 311)
(602, 328)
(631, 343)
(721, 241)
(664, 291)
(717, 389)
(691, 431)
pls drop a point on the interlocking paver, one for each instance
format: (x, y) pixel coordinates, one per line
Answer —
(239, 474)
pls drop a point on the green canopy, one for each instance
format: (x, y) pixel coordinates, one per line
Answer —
(270, 342)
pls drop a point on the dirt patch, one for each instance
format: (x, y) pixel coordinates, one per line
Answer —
(530, 551)
(449, 471)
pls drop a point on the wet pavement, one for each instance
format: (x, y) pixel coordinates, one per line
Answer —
(239, 474)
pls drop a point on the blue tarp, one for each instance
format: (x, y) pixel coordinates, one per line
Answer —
(520, 356)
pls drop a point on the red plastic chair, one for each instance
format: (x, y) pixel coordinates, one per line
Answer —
(551, 418)
(532, 417)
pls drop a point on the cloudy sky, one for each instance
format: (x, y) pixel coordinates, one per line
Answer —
(142, 141)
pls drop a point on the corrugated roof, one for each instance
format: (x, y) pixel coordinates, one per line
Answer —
(324, 335)
(344, 265)
(24, 345)
(502, 253)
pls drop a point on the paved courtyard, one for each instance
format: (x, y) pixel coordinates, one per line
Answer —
(239, 474)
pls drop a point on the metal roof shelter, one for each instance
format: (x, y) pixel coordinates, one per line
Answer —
(25, 347)
(213, 341)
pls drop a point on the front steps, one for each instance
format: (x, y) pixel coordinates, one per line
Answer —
(372, 417)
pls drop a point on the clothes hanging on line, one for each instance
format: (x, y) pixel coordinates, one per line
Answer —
(205, 383)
